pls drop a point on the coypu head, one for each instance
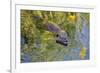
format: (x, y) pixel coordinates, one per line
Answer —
(62, 38)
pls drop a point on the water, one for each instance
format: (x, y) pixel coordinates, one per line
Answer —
(82, 37)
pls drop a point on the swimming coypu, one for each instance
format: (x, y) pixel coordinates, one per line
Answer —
(61, 36)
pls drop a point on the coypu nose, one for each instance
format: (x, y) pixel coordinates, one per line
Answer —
(65, 43)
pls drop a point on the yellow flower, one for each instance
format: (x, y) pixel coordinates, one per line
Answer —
(71, 18)
(82, 53)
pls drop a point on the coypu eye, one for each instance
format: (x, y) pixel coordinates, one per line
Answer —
(57, 35)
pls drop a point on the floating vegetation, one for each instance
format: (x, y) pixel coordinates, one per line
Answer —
(54, 36)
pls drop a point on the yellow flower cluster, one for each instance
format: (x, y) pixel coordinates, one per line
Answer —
(82, 53)
(71, 18)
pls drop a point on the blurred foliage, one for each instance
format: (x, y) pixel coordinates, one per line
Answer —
(39, 44)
